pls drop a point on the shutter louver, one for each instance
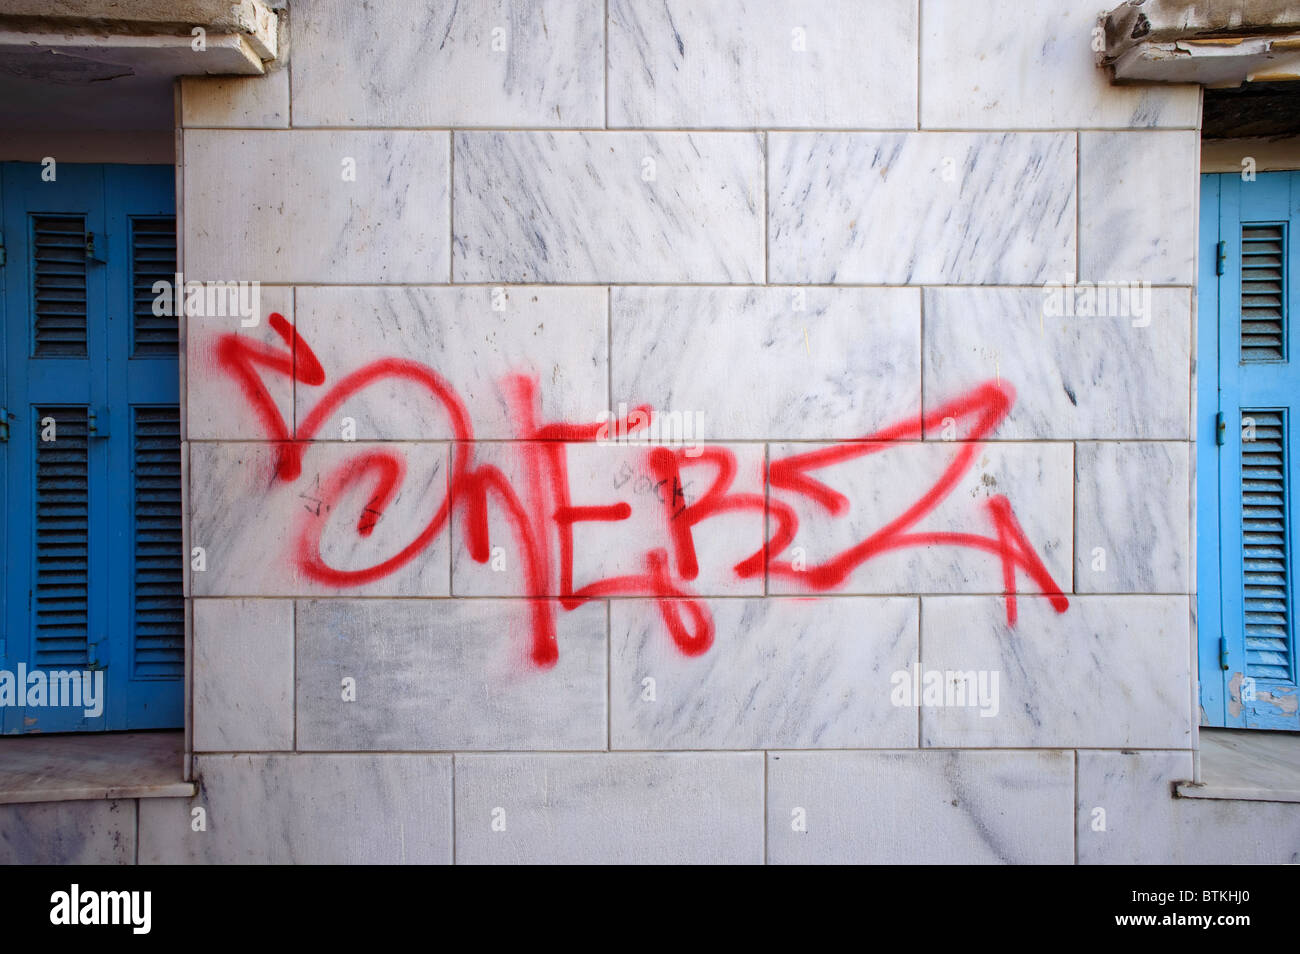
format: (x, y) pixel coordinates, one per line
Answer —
(153, 259)
(159, 649)
(59, 286)
(1263, 296)
(1264, 547)
(62, 553)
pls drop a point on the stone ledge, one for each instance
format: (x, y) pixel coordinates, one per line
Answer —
(114, 765)
(1246, 765)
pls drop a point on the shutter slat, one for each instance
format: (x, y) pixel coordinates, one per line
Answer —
(1265, 564)
(61, 592)
(158, 603)
(59, 292)
(153, 258)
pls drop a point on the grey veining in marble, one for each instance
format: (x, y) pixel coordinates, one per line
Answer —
(921, 208)
(329, 206)
(243, 675)
(1138, 203)
(619, 808)
(608, 207)
(1075, 376)
(1141, 822)
(449, 63)
(1011, 65)
(770, 363)
(1111, 671)
(756, 63)
(920, 807)
(1131, 504)
(250, 523)
(306, 809)
(446, 675)
(473, 338)
(781, 673)
(99, 832)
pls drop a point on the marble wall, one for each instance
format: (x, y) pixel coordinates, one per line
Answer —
(786, 227)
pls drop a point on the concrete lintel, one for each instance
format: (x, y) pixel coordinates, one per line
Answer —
(1212, 42)
(62, 57)
(1212, 63)
(253, 21)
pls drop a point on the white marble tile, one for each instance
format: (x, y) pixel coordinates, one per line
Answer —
(885, 484)
(306, 809)
(555, 336)
(100, 832)
(687, 808)
(781, 673)
(1109, 671)
(920, 808)
(1030, 66)
(612, 474)
(921, 208)
(756, 63)
(1075, 376)
(249, 102)
(243, 675)
(608, 207)
(801, 363)
(252, 525)
(451, 674)
(316, 206)
(448, 63)
(216, 406)
(1138, 201)
(1128, 815)
(1131, 504)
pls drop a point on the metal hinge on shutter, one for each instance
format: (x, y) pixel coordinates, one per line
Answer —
(2, 249)
(4, 425)
(97, 248)
(97, 424)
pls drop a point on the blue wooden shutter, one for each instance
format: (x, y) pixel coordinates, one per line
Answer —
(1266, 577)
(61, 596)
(158, 601)
(1246, 580)
(55, 315)
(153, 259)
(59, 273)
(144, 458)
(1263, 291)
(92, 527)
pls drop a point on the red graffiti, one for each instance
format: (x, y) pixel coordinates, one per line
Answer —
(542, 522)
